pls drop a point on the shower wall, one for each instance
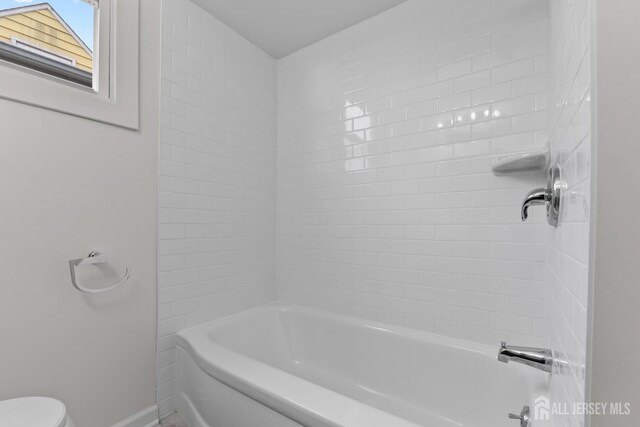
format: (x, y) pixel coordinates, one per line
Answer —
(217, 178)
(356, 172)
(387, 208)
(568, 251)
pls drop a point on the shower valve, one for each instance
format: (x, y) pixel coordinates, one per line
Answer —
(550, 197)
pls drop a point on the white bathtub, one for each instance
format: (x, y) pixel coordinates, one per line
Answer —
(286, 366)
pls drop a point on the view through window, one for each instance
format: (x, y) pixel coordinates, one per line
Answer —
(53, 37)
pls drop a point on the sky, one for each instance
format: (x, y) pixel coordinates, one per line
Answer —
(77, 14)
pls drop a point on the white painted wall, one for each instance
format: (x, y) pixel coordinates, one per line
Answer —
(614, 374)
(217, 178)
(568, 252)
(68, 186)
(387, 208)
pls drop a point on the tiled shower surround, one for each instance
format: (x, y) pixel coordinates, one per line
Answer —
(387, 208)
(216, 247)
(568, 252)
(354, 175)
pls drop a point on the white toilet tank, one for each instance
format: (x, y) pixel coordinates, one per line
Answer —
(34, 412)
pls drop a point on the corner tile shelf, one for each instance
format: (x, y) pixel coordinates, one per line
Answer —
(531, 162)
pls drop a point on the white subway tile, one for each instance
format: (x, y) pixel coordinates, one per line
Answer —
(383, 192)
(212, 154)
(432, 206)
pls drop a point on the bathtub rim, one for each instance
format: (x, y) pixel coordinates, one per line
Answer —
(279, 390)
(414, 334)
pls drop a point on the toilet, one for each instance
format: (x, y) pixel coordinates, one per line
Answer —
(34, 412)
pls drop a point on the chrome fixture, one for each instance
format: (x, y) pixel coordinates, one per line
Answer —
(539, 196)
(524, 417)
(539, 358)
(549, 196)
(93, 258)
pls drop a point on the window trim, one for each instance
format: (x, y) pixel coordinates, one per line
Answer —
(114, 98)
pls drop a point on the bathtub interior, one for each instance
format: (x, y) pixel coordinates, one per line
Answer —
(435, 381)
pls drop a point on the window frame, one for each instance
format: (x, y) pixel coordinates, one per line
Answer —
(114, 97)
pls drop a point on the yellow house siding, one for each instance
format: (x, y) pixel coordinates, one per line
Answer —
(42, 29)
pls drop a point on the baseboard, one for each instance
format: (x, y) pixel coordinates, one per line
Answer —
(145, 418)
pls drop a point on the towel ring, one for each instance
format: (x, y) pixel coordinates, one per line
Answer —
(93, 258)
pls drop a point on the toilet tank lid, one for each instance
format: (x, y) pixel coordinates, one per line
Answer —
(33, 412)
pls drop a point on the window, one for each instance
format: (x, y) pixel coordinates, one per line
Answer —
(55, 38)
(74, 56)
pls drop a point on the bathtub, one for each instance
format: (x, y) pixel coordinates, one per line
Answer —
(281, 366)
